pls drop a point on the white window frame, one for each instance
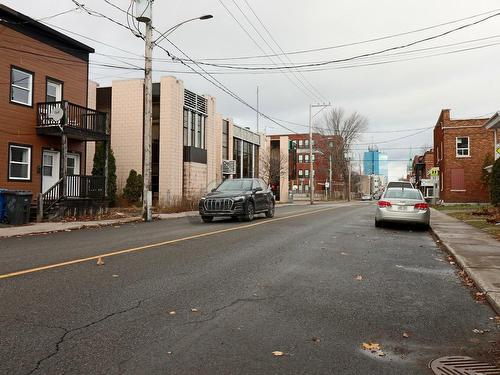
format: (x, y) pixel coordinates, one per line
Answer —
(306, 172)
(301, 173)
(468, 148)
(301, 158)
(30, 90)
(28, 163)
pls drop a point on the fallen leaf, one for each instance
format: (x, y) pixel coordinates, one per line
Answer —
(372, 346)
(342, 253)
(406, 335)
(169, 352)
(479, 331)
(381, 353)
(315, 339)
(359, 278)
(452, 263)
(194, 310)
(278, 353)
(100, 262)
(115, 275)
(172, 312)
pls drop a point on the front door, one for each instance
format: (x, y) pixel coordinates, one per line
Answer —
(50, 169)
(73, 170)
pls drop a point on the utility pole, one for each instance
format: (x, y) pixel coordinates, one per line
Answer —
(311, 168)
(145, 7)
(330, 176)
(349, 179)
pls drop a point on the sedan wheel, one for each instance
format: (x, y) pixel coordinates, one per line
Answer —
(250, 212)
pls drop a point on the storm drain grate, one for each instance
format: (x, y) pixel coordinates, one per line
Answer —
(462, 366)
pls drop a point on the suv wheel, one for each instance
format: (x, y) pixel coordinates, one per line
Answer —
(270, 210)
(207, 219)
(250, 212)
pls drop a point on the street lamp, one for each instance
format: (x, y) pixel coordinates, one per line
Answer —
(173, 28)
(145, 14)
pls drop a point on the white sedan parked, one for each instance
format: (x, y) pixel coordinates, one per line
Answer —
(402, 205)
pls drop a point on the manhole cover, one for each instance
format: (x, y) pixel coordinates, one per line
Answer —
(462, 366)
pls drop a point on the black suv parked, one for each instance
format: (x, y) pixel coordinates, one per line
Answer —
(240, 198)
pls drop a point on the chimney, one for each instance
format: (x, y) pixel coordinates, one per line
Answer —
(445, 115)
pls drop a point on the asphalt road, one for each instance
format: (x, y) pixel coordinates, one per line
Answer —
(239, 292)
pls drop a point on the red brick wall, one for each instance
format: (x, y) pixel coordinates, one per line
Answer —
(18, 122)
(480, 141)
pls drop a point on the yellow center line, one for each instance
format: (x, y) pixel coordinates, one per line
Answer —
(158, 244)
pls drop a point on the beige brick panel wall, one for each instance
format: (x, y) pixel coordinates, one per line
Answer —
(171, 139)
(127, 127)
(218, 147)
(210, 139)
(195, 177)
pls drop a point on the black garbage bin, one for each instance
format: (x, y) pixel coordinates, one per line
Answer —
(17, 206)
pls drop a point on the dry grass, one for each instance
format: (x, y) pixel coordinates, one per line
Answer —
(482, 219)
(177, 205)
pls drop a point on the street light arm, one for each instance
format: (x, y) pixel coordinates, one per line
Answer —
(175, 27)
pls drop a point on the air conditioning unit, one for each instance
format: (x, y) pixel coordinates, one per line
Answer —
(228, 166)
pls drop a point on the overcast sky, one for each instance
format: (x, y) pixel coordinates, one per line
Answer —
(396, 97)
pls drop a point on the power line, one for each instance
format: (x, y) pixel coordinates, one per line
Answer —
(323, 63)
(358, 42)
(284, 54)
(259, 47)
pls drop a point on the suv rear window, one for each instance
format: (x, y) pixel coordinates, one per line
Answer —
(403, 194)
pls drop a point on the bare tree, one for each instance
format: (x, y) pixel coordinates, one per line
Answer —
(338, 131)
(273, 165)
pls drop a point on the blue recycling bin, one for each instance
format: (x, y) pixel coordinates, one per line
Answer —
(2, 205)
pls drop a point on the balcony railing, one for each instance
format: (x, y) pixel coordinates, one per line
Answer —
(78, 120)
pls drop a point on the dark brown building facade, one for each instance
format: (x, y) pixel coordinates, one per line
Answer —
(43, 102)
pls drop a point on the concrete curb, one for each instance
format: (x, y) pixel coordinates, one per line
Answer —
(62, 227)
(481, 282)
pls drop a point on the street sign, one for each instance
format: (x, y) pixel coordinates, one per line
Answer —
(434, 172)
(498, 150)
(327, 185)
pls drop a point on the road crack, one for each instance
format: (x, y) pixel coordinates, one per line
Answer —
(69, 331)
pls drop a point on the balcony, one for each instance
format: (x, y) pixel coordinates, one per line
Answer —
(75, 121)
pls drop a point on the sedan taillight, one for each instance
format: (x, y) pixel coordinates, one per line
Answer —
(384, 204)
(421, 206)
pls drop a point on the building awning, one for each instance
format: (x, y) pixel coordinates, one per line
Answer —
(493, 122)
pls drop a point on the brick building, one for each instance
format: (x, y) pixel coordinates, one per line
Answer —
(45, 110)
(460, 149)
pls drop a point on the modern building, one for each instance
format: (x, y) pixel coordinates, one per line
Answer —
(191, 142)
(461, 147)
(375, 162)
(47, 114)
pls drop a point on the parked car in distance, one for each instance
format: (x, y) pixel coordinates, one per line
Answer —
(402, 205)
(240, 198)
(377, 195)
(400, 184)
(366, 197)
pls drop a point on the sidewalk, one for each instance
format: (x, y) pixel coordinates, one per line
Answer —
(476, 252)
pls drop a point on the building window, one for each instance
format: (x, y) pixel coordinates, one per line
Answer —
(463, 146)
(301, 143)
(185, 128)
(54, 91)
(48, 163)
(301, 172)
(21, 87)
(306, 158)
(225, 140)
(330, 144)
(70, 168)
(301, 158)
(306, 172)
(19, 162)
(306, 143)
(314, 158)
